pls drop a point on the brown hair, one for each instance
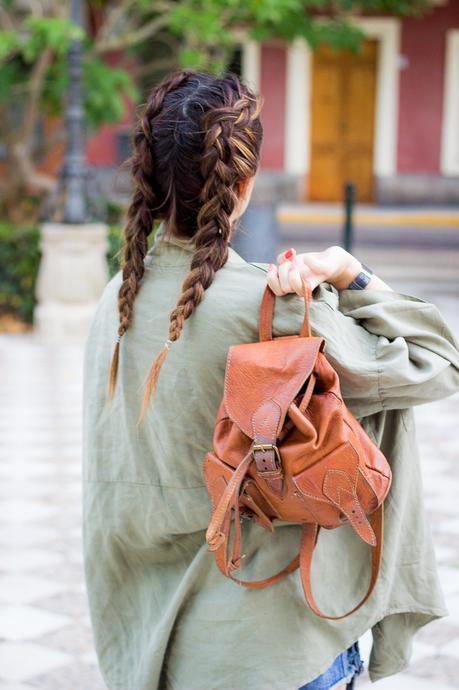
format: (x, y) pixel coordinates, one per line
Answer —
(197, 139)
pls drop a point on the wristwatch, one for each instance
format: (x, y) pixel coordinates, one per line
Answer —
(362, 279)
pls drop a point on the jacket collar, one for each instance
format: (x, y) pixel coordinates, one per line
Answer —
(168, 249)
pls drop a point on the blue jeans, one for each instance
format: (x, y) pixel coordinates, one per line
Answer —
(346, 666)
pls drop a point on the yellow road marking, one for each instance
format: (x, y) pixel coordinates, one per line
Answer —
(368, 219)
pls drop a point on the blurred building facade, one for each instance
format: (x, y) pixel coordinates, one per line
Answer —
(386, 119)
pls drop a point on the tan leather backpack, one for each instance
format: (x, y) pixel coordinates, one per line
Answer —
(285, 447)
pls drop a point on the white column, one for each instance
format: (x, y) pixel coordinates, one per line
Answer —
(251, 64)
(449, 161)
(72, 275)
(387, 32)
(298, 108)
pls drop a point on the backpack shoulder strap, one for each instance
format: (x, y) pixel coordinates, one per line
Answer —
(308, 542)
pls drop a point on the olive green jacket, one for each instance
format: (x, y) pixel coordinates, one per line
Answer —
(163, 615)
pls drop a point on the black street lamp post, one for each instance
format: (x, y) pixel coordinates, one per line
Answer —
(73, 268)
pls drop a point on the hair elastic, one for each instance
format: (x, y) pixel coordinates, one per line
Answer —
(118, 338)
(220, 231)
(168, 344)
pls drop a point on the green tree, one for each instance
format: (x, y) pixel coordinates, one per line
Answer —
(149, 38)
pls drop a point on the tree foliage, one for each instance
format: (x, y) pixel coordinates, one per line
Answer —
(148, 38)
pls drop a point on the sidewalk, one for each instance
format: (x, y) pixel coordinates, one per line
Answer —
(45, 637)
(377, 226)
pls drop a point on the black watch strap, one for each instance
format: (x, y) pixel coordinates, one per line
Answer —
(362, 279)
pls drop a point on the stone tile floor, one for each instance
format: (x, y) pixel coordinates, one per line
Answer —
(45, 635)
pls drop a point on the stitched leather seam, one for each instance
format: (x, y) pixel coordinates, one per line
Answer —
(279, 411)
(354, 483)
(345, 474)
(230, 354)
(313, 496)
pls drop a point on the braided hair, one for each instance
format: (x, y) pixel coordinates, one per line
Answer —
(197, 139)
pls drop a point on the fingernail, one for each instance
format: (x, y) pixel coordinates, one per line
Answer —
(289, 253)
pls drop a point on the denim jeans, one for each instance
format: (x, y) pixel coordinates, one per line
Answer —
(346, 667)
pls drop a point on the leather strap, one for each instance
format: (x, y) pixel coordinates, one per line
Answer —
(221, 528)
(267, 313)
(307, 393)
(226, 568)
(214, 535)
(308, 542)
(265, 425)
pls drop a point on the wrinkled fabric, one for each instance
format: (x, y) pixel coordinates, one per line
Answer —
(163, 615)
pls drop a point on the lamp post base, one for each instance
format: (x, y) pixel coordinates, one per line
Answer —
(72, 275)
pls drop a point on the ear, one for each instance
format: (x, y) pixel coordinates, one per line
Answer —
(243, 184)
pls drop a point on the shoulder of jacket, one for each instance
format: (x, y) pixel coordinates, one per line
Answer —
(259, 266)
(324, 292)
(109, 296)
(113, 285)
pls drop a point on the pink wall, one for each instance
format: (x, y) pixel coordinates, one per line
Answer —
(421, 89)
(101, 148)
(272, 87)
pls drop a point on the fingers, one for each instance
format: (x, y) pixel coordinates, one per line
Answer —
(283, 271)
(285, 278)
(293, 269)
(295, 279)
(273, 280)
(278, 279)
(289, 278)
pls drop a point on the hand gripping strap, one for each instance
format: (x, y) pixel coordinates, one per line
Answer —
(308, 542)
(267, 313)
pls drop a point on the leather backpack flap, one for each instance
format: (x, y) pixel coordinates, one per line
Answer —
(272, 371)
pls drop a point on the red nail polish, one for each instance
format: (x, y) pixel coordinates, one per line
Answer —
(288, 254)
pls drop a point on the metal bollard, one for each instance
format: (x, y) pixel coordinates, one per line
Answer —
(348, 227)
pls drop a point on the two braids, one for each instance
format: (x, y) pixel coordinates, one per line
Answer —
(230, 133)
(140, 214)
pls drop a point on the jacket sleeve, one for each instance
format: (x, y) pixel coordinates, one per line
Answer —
(416, 354)
(391, 350)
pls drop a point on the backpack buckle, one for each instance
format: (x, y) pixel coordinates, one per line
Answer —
(268, 446)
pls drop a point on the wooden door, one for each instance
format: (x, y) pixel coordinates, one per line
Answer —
(342, 122)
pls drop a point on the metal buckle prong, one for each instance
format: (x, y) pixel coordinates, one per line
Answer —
(268, 446)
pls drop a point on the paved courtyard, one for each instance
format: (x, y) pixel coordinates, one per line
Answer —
(45, 636)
